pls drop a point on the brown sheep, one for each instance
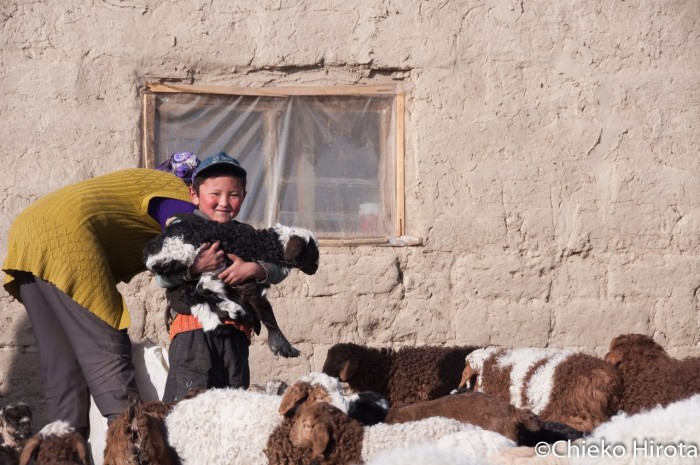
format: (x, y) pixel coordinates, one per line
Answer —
(56, 444)
(321, 434)
(404, 376)
(559, 385)
(650, 376)
(138, 436)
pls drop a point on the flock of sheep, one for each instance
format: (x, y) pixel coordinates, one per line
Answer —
(424, 405)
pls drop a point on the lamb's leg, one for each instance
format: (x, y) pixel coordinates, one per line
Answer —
(278, 343)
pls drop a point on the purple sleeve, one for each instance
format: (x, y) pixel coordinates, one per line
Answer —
(161, 208)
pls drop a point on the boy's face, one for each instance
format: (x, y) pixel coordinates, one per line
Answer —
(219, 198)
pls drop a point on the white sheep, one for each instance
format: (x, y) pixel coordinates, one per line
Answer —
(462, 448)
(232, 426)
(320, 432)
(662, 435)
(558, 385)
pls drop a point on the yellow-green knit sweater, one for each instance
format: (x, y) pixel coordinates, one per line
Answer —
(87, 237)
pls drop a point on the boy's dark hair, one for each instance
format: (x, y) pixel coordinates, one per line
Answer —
(217, 171)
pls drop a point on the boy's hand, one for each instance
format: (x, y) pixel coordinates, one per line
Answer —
(209, 258)
(241, 271)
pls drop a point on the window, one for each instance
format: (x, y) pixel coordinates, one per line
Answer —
(327, 159)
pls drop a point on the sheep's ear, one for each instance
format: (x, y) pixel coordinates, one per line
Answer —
(293, 248)
(348, 369)
(320, 437)
(467, 374)
(613, 357)
(30, 449)
(293, 396)
(81, 449)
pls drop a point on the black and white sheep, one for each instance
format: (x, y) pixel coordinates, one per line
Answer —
(176, 248)
(56, 444)
(404, 376)
(558, 385)
(232, 426)
(650, 376)
(322, 434)
(15, 430)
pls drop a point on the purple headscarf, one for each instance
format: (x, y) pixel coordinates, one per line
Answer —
(181, 164)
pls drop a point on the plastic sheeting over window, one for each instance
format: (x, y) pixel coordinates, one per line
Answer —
(326, 163)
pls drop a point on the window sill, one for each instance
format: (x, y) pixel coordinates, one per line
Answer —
(392, 241)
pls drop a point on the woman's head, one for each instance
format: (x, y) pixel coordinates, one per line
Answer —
(181, 164)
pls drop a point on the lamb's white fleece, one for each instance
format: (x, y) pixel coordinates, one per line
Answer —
(424, 454)
(223, 426)
(383, 436)
(231, 426)
(468, 447)
(662, 435)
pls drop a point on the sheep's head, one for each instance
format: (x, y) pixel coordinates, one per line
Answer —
(138, 435)
(313, 428)
(15, 424)
(471, 375)
(313, 388)
(637, 346)
(300, 248)
(342, 361)
(56, 444)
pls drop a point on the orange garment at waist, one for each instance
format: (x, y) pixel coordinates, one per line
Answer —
(183, 323)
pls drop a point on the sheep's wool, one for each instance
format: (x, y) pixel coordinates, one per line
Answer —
(539, 388)
(521, 360)
(223, 427)
(382, 436)
(663, 435)
(332, 386)
(424, 454)
(56, 428)
(475, 443)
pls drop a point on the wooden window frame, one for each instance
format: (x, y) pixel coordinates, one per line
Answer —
(396, 90)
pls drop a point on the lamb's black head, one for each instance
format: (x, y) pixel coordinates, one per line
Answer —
(16, 419)
(300, 248)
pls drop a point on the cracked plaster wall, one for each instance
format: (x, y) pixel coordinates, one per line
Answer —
(552, 159)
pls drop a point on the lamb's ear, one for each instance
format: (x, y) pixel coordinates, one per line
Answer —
(293, 396)
(81, 449)
(614, 356)
(348, 369)
(320, 437)
(30, 449)
(293, 248)
(466, 377)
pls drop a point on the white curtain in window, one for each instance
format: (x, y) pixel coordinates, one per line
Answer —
(326, 163)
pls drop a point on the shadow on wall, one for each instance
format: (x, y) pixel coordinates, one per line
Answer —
(20, 375)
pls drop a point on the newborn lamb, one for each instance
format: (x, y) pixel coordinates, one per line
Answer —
(175, 251)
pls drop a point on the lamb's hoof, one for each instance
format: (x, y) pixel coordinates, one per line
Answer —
(285, 350)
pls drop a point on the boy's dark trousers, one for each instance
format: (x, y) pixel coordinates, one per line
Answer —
(207, 359)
